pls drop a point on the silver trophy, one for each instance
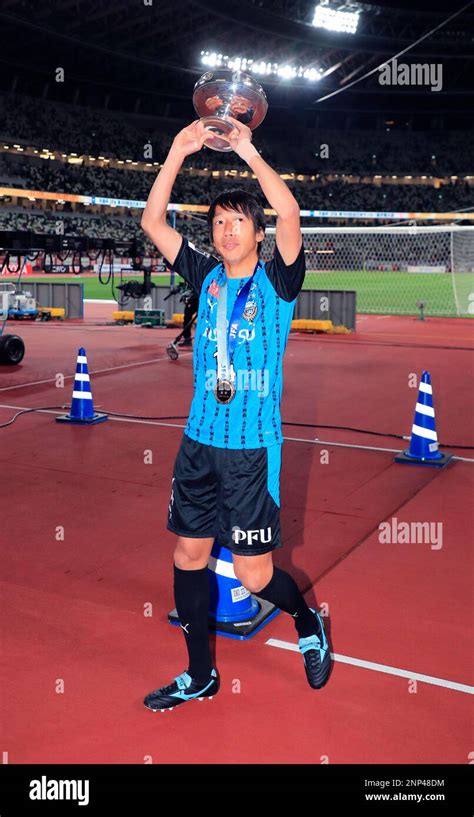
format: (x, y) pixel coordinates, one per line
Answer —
(222, 93)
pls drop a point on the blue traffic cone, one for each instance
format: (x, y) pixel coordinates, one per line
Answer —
(424, 440)
(82, 407)
(229, 600)
(233, 611)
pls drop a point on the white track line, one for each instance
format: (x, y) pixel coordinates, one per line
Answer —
(183, 425)
(104, 301)
(317, 441)
(402, 673)
(93, 371)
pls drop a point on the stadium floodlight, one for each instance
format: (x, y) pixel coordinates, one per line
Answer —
(338, 17)
(312, 74)
(260, 67)
(287, 71)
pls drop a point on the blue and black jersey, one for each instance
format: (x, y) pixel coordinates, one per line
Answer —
(252, 419)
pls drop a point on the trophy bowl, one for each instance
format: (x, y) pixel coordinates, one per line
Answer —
(224, 92)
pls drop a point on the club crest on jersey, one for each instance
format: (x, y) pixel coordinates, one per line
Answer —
(214, 289)
(250, 310)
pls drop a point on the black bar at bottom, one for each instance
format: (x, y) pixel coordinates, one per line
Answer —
(60, 789)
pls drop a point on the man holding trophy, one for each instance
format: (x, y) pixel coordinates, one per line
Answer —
(226, 475)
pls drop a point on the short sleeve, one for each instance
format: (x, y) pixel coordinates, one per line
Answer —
(192, 264)
(286, 280)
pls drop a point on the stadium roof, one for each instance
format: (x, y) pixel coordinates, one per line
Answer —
(145, 56)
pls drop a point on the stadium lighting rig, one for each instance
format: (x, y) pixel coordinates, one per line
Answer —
(262, 67)
(342, 17)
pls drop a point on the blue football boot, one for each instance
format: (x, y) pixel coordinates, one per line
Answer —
(317, 658)
(183, 688)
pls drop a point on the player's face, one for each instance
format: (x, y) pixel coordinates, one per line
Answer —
(234, 235)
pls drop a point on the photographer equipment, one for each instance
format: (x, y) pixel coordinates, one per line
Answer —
(191, 301)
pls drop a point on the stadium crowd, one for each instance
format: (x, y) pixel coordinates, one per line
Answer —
(118, 228)
(360, 154)
(58, 177)
(55, 126)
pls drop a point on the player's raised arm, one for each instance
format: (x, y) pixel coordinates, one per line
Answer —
(153, 222)
(288, 232)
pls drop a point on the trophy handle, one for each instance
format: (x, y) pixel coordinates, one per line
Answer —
(218, 125)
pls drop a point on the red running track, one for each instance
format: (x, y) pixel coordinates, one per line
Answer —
(73, 610)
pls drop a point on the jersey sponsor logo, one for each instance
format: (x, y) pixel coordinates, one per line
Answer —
(262, 536)
(243, 334)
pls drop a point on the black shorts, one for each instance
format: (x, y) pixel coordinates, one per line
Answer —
(231, 495)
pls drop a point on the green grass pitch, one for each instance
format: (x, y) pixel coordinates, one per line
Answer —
(377, 292)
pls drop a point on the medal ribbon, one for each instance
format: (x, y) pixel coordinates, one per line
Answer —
(227, 336)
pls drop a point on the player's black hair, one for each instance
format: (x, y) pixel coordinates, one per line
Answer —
(243, 202)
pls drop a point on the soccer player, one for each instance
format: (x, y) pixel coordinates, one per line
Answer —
(225, 482)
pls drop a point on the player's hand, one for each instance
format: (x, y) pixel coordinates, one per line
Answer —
(240, 139)
(191, 139)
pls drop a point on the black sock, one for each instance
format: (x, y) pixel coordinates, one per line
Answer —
(191, 594)
(283, 592)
